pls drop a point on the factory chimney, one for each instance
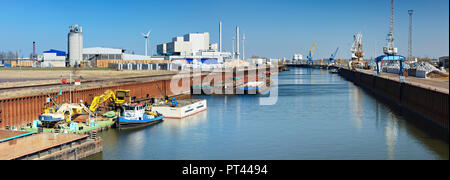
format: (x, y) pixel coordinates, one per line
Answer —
(220, 36)
(237, 42)
(34, 51)
(243, 46)
(234, 52)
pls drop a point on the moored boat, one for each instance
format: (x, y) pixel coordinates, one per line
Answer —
(136, 115)
(334, 71)
(253, 87)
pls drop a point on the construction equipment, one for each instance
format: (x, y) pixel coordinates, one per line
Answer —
(311, 53)
(116, 99)
(357, 53)
(56, 115)
(390, 52)
(332, 59)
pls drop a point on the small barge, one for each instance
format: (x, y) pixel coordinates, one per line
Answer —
(181, 109)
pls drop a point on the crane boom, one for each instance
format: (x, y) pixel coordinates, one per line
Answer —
(109, 94)
(390, 50)
(335, 53)
(117, 98)
(332, 58)
(311, 53)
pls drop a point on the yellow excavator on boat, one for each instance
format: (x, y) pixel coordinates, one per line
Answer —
(116, 99)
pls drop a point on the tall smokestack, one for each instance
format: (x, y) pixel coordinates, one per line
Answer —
(237, 42)
(34, 51)
(234, 52)
(243, 46)
(220, 36)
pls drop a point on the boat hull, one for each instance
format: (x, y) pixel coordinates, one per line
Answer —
(123, 123)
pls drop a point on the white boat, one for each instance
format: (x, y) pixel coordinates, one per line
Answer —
(183, 109)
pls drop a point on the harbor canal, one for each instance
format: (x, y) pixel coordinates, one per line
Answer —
(318, 115)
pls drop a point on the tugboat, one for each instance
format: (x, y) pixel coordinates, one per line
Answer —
(137, 115)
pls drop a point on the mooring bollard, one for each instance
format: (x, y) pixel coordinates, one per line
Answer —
(94, 135)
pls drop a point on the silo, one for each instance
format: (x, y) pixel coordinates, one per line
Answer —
(75, 45)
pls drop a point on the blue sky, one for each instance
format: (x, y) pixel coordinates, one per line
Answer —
(276, 28)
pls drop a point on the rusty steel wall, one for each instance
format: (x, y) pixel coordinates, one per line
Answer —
(430, 104)
(23, 110)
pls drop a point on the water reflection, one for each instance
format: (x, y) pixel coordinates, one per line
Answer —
(391, 131)
(188, 122)
(358, 107)
(317, 116)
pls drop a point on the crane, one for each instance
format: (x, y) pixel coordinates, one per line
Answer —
(390, 52)
(357, 52)
(332, 59)
(311, 53)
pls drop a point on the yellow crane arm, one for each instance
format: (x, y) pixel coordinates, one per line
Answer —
(313, 48)
(109, 94)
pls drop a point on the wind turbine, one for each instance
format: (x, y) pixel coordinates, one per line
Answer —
(146, 36)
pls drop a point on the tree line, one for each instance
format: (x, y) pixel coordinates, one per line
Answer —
(8, 55)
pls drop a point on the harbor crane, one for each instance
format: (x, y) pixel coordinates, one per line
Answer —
(332, 59)
(311, 53)
(390, 52)
(357, 52)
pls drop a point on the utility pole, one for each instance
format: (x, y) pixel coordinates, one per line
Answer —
(410, 12)
(70, 87)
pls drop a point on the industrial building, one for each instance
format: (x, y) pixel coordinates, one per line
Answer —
(54, 58)
(102, 53)
(192, 44)
(297, 57)
(443, 61)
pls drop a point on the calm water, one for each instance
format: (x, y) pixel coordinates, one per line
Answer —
(318, 116)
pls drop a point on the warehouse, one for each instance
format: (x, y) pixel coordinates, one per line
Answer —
(101, 53)
(54, 58)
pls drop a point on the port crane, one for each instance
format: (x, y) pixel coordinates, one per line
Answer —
(390, 52)
(332, 59)
(311, 53)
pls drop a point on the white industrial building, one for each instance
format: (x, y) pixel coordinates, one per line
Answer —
(297, 57)
(102, 53)
(54, 58)
(192, 44)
